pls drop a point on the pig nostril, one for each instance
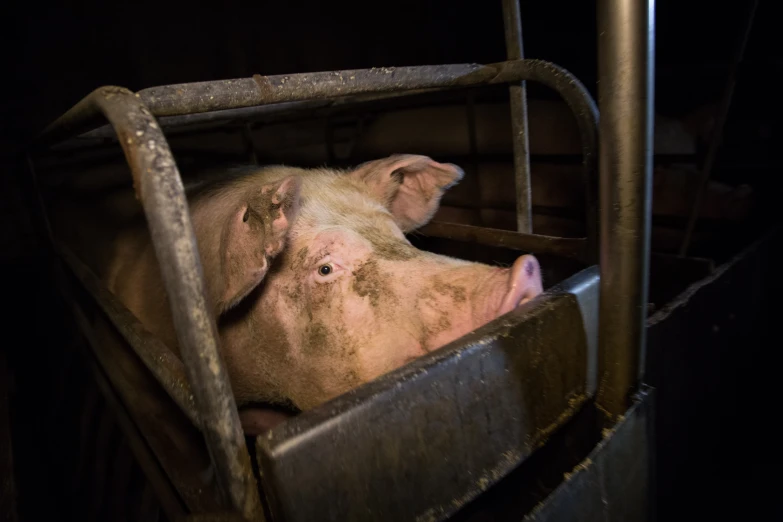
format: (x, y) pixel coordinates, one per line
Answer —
(529, 268)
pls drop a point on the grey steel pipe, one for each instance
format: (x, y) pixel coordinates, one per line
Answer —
(512, 23)
(626, 31)
(158, 185)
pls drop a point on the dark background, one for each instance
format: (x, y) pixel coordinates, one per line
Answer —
(54, 54)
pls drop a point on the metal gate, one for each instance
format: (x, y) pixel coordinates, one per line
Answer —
(486, 405)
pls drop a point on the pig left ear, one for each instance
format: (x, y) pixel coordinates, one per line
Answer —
(410, 186)
(254, 235)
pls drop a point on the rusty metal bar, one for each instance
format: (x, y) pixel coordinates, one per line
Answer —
(717, 133)
(626, 30)
(263, 112)
(159, 187)
(573, 248)
(191, 98)
(512, 23)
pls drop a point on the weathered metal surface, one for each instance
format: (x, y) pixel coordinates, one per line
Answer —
(574, 248)
(625, 91)
(512, 24)
(717, 133)
(420, 442)
(611, 484)
(263, 113)
(710, 356)
(159, 187)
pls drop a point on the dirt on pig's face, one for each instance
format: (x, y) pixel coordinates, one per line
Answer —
(350, 299)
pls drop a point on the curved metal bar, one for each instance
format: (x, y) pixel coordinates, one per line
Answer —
(170, 100)
(585, 111)
(159, 187)
(193, 98)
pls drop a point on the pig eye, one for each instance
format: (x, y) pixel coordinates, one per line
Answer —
(325, 270)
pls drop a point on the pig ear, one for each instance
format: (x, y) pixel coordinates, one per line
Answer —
(254, 235)
(410, 186)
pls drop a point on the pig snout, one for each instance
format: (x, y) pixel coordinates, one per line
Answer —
(493, 292)
(524, 283)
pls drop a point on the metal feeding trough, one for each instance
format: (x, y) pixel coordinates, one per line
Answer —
(428, 440)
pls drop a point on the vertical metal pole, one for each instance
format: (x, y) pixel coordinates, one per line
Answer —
(717, 133)
(512, 22)
(626, 69)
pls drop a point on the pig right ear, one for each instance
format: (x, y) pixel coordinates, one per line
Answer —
(409, 186)
(254, 235)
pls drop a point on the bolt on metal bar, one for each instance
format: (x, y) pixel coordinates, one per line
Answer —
(512, 23)
(158, 185)
(717, 133)
(626, 31)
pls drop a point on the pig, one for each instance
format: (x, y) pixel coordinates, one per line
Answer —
(313, 283)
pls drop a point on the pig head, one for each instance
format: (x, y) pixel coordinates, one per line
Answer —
(315, 286)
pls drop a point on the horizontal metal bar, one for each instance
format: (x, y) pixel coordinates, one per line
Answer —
(574, 248)
(260, 112)
(171, 100)
(159, 187)
(157, 357)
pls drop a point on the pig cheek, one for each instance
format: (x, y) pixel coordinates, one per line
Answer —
(444, 311)
(328, 345)
(258, 350)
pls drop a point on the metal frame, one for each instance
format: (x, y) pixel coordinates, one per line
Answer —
(512, 24)
(625, 93)
(626, 73)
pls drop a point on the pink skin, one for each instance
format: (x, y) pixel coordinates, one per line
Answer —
(315, 286)
(371, 315)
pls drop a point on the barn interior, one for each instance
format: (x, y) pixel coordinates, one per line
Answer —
(65, 453)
